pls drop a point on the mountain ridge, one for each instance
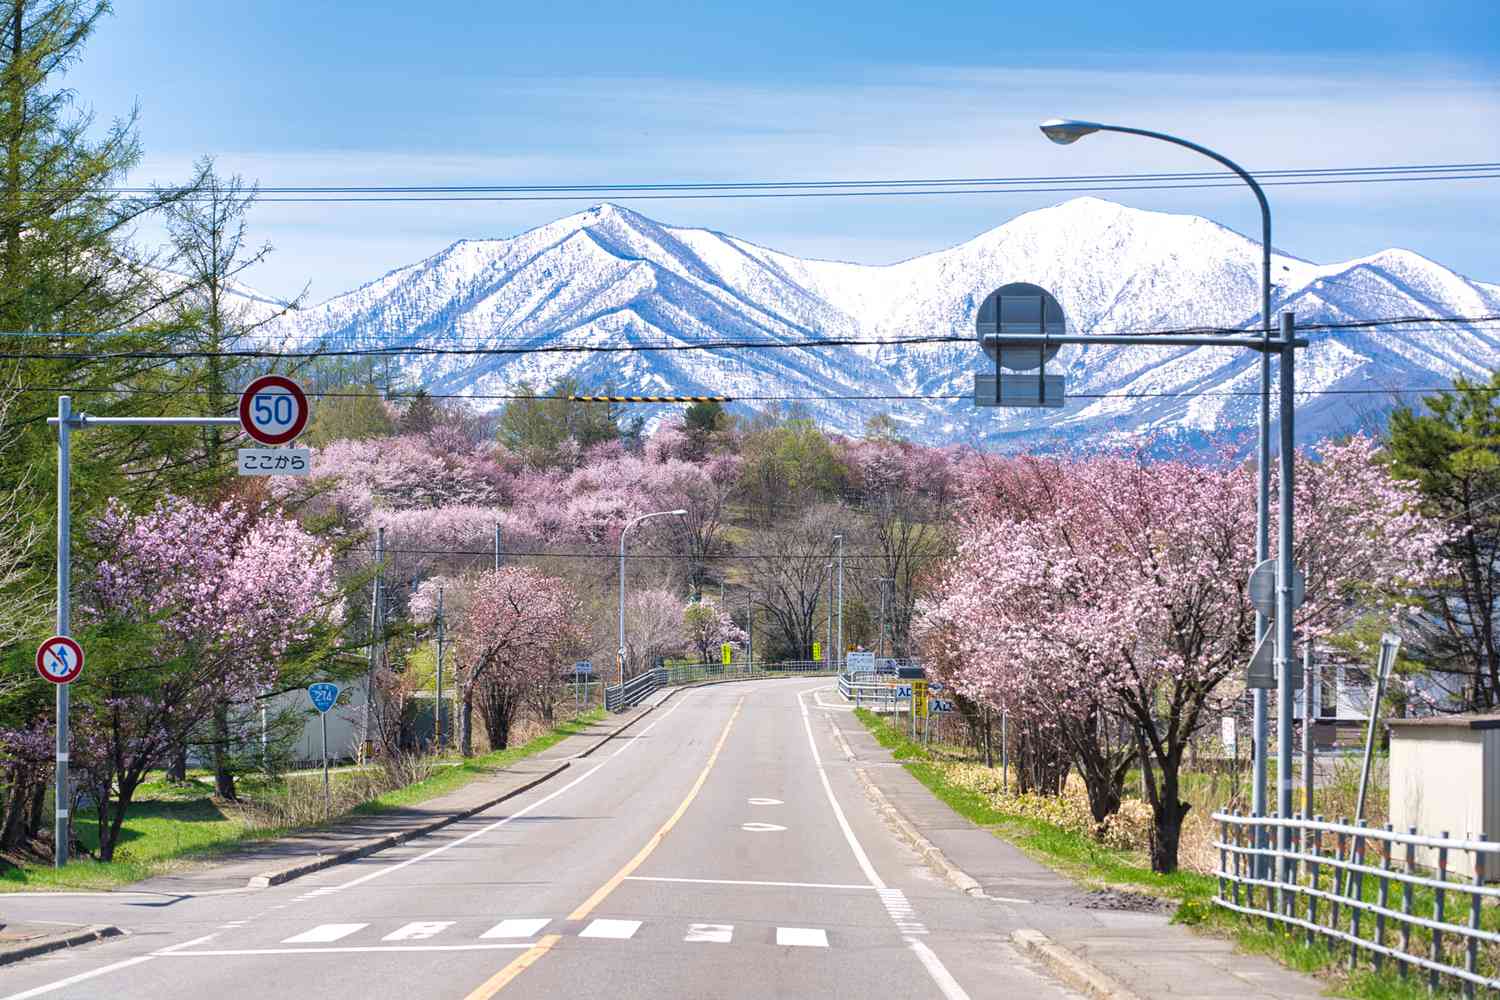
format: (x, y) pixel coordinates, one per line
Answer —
(609, 275)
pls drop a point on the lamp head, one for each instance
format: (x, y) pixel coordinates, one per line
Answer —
(1066, 130)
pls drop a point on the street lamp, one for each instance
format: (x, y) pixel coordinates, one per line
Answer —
(631, 524)
(1065, 131)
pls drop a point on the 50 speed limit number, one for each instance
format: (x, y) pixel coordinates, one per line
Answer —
(273, 409)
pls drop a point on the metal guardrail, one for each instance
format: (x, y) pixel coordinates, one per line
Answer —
(619, 698)
(1320, 888)
(862, 688)
(622, 696)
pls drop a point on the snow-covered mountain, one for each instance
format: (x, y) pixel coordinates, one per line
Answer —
(610, 276)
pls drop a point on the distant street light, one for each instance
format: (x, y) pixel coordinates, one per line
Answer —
(631, 524)
(1065, 131)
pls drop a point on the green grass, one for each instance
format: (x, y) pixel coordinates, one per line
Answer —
(450, 779)
(169, 824)
(1081, 858)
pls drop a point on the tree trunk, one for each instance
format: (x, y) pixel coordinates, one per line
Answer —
(177, 766)
(223, 776)
(13, 815)
(1167, 809)
(466, 726)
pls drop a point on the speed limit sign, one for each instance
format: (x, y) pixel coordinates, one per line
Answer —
(273, 409)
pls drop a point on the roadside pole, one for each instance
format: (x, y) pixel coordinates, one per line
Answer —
(840, 649)
(1285, 602)
(327, 802)
(437, 706)
(497, 546)
(64, 591)
(67, 421)
(832, 656)
(376, 617)
(1307, 723)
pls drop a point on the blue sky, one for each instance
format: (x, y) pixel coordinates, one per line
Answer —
(471, 93)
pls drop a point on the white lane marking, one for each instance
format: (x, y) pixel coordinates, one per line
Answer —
(764, 802)
(934, 965)
(838, 812)
(367, 949)
(709, 934)
(397, 866)
(937, 971)
(741, 881)
(324, 933)
(49, 987)
(82, 976)
(802, 937)
(517, 927)
(418, 930)
(761, 828)
(117, 893)
(619, 930)
(37, 991)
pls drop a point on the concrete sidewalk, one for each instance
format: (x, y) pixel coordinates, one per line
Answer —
(1127, 936)
(272, 862)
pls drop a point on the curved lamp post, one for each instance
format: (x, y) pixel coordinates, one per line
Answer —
(1065, 131)
(631, 524)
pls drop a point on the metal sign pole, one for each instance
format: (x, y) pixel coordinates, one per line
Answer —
(67, 421)
(64, 587)
(323, 720)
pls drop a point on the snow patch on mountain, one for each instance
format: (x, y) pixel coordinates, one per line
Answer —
(610, 276)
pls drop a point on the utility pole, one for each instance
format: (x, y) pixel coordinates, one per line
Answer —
(829, 657)
(376, 620)
(880, 643)
(497, 546)
(1285, 573)
(839, 538)
(749, 630)
(437, 708)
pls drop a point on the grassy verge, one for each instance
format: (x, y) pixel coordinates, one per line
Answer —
(1080, 857)
(168, 825)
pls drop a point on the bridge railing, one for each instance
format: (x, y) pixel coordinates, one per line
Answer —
(619, 698)
(1419, 901)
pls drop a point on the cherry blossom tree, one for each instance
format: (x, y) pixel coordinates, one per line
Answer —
(1113, 587)
(198, 608)
(653, 628)
(513, 628)
(706, 626)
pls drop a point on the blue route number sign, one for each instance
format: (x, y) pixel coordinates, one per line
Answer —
(323, 695)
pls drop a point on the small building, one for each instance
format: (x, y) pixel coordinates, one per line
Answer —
(1445, 779)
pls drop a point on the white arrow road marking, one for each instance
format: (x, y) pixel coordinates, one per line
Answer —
(802, 937)
(517, 927)
(764, 802)
(762, 828)
(709, 933)
(323, 933)
(419, 930)
(617, 929)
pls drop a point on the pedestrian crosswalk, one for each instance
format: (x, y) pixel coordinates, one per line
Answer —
(520, 930)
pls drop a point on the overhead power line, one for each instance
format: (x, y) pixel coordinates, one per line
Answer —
(1414, 168)
(506, 349)
(890, 187)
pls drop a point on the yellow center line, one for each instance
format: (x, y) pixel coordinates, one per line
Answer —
(657, 837)
(518, 965)
(522, 962)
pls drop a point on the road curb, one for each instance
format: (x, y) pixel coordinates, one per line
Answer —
(57, 942)
(1075, 970)
(279, 876)
(929, 852)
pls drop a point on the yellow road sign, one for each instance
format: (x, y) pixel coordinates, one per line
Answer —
(817, 650)
(919, 698)
(726, 651)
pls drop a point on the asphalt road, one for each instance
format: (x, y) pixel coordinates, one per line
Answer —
(722, 848)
